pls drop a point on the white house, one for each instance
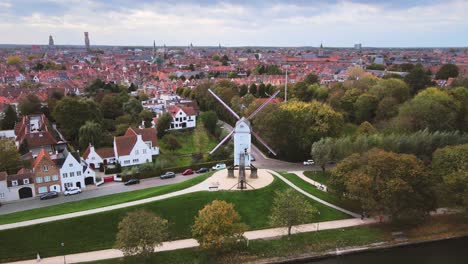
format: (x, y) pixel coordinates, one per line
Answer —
(98, 157)
(182, 117)
(137, 146)
(17, 186)
(72, 173)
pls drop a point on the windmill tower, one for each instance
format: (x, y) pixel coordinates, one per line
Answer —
(242, 134)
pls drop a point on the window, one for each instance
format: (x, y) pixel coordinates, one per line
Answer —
(25, 181)
(42, 189)
(126, 162)
(45, 168)
(2, 195)
(137, 152)
(14, 183)
(78, 173)
(38, 179)
(68, 184)
(144, 151)
(72, 174)
(70, 165)
(64, 175)
(93, 158)
(135, 160)
(47, 179)
(55, 178)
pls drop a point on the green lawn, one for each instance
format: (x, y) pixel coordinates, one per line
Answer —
(318, 176)
(298, 244)
(101, 201)
(97, 231)
(185, 139)
(326, 196)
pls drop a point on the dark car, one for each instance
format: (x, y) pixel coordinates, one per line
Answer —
(132, 181)
(48, 195)
(187, 172)
(202, 170)
(167, 175)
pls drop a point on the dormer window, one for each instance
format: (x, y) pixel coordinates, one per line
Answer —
(70, 165)
(14, 183)
(25, 181)
(45, 168)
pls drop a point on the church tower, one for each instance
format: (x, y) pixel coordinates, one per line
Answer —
(51, 41)
(320, 52)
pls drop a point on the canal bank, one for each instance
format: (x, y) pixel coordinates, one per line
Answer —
(451, 250)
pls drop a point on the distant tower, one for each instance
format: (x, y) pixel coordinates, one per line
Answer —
(154, 48)
(320, 52)
(219, 46)
(86, 41)
(51, 41)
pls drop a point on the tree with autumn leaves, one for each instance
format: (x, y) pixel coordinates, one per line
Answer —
(218, 226)
(386, 184)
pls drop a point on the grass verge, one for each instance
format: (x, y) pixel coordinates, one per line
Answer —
(318, 176)
(98, 202)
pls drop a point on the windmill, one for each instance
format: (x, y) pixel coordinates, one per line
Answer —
(243, 141)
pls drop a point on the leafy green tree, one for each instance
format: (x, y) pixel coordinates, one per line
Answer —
(243, 90)
(395, 88)
(432, 108)
(366, 128)
(451, 165)
(417, 79)
(147, 117)
(378, 67)
(253, 89)
(172, 142)
(30, 104)
(133, 107)
(14, 60)
(291, 208)
(387, 108)
(365, 107)
(9, 119)
(210, 121)
(200, 139)
(81, 110)
(302, 92)
(9, 156)
(386, 183)
(90, 133)
(218, 226)
(139, 232)
(311, 79)
(322, 152)
(110, 106)
(163, 124)
(447, 71)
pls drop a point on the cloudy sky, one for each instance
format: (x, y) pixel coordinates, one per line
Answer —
(339, 23)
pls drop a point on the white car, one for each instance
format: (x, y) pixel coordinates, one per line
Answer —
(219, 166)
(72, 190)
(309, 162)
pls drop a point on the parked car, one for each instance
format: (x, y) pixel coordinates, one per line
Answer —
(309, 162)
(219, 166)
(187, 172)
(72, 190)
(49, 195)
(252, 158)
(132, 181)
(167, 175)
(202, 170)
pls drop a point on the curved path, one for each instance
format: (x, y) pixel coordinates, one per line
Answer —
(314, 197)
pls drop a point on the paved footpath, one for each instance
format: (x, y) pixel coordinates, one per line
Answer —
(190, 243)
(301, 175)
(314, 197)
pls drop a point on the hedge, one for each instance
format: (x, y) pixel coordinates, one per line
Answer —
(159, 171)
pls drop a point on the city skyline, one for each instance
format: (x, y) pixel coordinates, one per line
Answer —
(423, 23)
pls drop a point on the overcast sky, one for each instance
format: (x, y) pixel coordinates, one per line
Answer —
(396, 23)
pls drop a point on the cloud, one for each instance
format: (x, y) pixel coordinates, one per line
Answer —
(268, 23)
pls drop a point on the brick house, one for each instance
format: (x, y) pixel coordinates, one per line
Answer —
(46, 174)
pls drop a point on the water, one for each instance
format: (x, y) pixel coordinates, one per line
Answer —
(454, 251)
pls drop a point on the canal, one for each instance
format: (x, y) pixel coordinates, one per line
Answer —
(453, 251)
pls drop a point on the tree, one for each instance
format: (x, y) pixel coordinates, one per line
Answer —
(200, 141)
(365, 107)
(253, 89)
(146, 116)
(210, 121)
(386, 183)
(163, 124)
(30, 104)
(261, 90)
(110, 106)
(172, 142)
(139, 232)
(417, 79)
(366, 128)
(322, 152)
(311, 79)
(447, 71)
(451, 165)
(291, 208)
(80, 109)
(395, 88)
(243, 89)
(9, 156)
(9, 118)
(90, 133)
(432, 108)
(218, 226)
(133, 107)
(14, 60)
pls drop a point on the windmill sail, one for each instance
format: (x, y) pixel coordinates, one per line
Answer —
(224, 104)
(263, 143)
(263, 105)
(222, 142)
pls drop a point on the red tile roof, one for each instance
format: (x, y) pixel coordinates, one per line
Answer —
(105, 152)
(42, 155)
(124, 144)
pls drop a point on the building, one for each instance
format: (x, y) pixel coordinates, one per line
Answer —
(137, 146)
(46, 174)
(51, 41)
(16, 186)
(182, 117)
(74, 174)
(98, 157)
(34, 133)
(86, 40)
